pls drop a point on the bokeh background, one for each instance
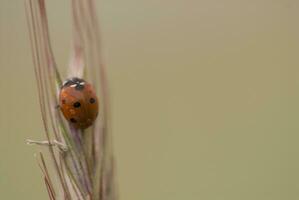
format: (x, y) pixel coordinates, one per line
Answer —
(204, 97)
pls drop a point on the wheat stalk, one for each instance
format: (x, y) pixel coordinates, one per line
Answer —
(82, 161)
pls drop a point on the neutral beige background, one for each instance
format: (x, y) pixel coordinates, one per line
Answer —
(204, 95)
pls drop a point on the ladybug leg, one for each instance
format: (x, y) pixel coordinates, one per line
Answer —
(57, 106)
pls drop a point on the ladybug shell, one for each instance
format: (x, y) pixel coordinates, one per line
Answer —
(78, 103)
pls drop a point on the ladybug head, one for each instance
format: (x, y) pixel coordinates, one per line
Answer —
(74, 82)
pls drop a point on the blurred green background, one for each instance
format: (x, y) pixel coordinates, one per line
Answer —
(204, 97)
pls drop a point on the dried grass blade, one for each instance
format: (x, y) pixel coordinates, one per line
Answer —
(37, 42)
(49, 189)
(103, 164)
(44, 169)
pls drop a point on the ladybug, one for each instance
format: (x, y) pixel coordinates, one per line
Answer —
(78, 102)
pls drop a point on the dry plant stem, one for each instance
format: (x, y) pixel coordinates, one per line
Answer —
(80, 24)
(47, 179)
(36, 44)
(60, 145)
(44, 169)
(84, 162)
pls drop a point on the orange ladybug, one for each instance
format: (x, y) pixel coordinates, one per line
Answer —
(78, 103)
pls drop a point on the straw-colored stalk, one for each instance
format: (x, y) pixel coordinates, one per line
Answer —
(82, 161)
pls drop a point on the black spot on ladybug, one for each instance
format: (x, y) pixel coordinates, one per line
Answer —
(92, 100)
(77, 104)
(63, 101)
(73, 120)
